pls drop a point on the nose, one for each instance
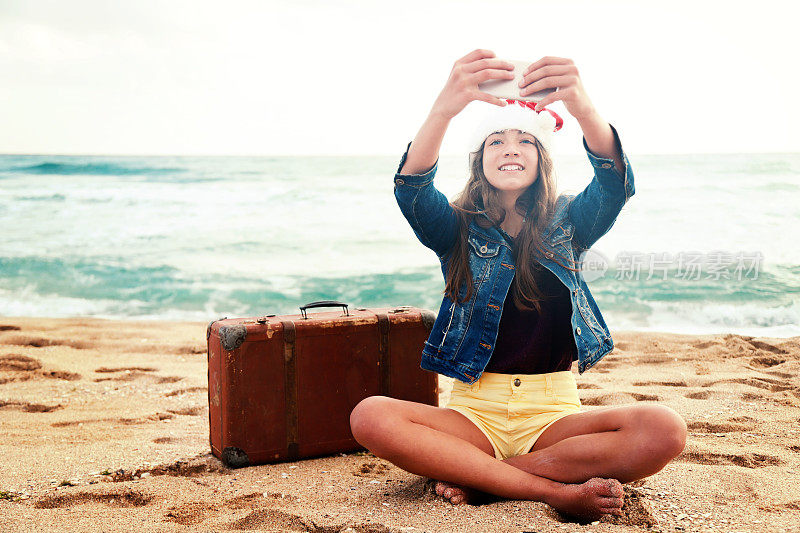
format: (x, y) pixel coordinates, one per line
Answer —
(511, 150)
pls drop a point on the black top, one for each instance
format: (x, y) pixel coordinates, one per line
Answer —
(533, 343)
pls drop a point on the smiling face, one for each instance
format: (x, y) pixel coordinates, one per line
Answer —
(511, 160)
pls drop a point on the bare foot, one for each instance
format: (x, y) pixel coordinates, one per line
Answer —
(457, 494)
(590, 500)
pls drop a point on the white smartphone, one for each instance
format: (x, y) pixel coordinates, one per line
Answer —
(510, 88)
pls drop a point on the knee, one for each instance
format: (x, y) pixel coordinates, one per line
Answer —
(368, 418)
(663, 431)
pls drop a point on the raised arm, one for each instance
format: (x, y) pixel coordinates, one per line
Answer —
(594, 210)
(425, 207)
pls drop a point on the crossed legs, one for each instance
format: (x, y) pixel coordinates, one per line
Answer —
(575, 466)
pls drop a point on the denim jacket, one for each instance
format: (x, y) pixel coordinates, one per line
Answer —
(463, 335)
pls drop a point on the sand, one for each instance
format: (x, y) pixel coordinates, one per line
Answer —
(104, 426)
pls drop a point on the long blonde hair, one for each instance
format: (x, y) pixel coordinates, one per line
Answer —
(480, 201)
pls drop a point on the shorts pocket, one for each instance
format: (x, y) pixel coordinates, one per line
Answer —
(566, 397)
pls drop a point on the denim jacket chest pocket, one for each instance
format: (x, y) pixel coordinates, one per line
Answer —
(482, 258)
(560, 241)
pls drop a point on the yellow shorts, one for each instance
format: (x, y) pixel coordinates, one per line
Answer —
(513, 410)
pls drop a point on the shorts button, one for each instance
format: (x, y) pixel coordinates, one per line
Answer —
(400, 182)
(517, 382)
(578, 330)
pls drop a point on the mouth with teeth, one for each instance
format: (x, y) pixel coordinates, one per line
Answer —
(511, 168)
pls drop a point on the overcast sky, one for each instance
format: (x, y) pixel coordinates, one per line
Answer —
(359, 77)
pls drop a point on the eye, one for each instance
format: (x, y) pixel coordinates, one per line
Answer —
(528, 141)
(494, 141)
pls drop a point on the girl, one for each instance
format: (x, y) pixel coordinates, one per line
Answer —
(517, 311)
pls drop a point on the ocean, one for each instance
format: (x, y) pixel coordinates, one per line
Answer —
(708, 244)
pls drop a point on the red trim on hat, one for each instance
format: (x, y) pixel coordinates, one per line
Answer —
(532, 106)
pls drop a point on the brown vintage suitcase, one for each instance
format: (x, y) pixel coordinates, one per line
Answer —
(282, 387)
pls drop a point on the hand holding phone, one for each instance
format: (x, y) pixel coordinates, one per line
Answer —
(510, 88)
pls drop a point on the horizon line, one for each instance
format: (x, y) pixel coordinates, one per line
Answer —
(56, 154)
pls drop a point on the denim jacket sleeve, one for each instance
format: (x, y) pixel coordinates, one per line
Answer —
(427, 210)
(594, 210)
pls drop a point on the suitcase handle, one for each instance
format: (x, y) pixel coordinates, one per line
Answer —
(324, 303)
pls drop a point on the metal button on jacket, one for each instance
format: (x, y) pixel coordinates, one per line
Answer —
(517, 382)
(400, 182)
(578, 330)
(606, 165)
(484, 249)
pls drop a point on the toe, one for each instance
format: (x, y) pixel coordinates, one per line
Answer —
(611, 502)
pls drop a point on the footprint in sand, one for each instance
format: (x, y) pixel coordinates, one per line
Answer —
(719, 427)
(699, 395)
(28, 407)
(741, 345)
(768, 347)
(780, 507)
(190, 513)
(652, 359)
(193, 513)
(372, 470)
(169, 379)
(619, 398)
(766, 361)
(705, 344)
(5, 327)
(189, 411)
(187, 390)
(747, 460)
(156, 417)
(19, 363)
(105, 369)
(275, 520)
(777, 374)
(17, 367)
(772, 385)
(193, 468)
(191, 350)
(660, 383)
(132, 373)
(127, 498)
(272, 520)
(41, 342)
(588, 386)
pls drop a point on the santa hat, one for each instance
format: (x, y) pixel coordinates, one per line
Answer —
(518, 115)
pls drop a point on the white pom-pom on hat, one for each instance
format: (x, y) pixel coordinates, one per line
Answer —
(518, 115)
